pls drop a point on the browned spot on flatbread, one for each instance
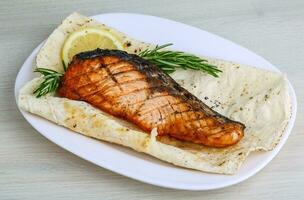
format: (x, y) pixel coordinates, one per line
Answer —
(75, 115)
(96, 123)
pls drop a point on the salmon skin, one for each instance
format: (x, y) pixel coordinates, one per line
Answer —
(131, 88)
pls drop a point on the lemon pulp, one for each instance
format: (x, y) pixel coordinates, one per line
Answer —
(87, 39)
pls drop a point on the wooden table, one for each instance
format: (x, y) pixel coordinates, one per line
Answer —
(31, 167)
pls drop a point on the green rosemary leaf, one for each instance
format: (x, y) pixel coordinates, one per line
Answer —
(167, 60)
(177, 59)
(50, 82)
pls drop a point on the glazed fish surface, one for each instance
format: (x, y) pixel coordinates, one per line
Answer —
(131, 88)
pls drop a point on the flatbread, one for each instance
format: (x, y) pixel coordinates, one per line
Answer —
(255, 97)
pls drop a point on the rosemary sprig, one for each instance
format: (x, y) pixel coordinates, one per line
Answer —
(169, 61)
(50, 83)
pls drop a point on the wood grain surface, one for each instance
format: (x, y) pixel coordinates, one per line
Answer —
(31, 167)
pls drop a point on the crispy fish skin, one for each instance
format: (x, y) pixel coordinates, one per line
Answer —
(129, 87)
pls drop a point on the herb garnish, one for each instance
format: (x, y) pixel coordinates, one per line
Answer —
(167, 60)
(50, 82)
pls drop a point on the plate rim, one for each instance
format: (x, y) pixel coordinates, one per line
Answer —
(274, 152)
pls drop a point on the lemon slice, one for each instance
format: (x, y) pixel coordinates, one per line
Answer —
(86, 39)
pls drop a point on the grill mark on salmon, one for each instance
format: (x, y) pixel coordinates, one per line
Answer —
(160, 107)
(131, 88)
(122, 72)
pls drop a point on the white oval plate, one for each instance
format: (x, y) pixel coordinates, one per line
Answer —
(143, 167)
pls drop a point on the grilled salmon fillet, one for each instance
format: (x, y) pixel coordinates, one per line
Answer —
(129, 87)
